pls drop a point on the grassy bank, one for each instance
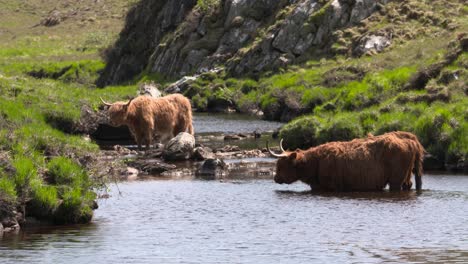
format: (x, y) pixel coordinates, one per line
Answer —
(47, 74)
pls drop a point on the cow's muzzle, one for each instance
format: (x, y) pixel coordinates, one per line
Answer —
(278, 180)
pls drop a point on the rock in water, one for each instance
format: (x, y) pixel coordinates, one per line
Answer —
(212, 169)
(179, 148)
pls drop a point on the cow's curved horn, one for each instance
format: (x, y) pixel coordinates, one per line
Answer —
(272, 153)
(104, 102)
(130, 101)
(281, 145)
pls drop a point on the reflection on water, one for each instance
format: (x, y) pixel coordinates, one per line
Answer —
(231, 123)
(257, 221)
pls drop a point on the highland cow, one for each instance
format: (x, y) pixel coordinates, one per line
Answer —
(146, 117)
(359, 165)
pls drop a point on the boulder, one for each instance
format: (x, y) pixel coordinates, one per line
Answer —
(372, 44)
(131, 173)
(150, 89)
(202, 153)
(179, 148)
(181, 85)
(212, 168)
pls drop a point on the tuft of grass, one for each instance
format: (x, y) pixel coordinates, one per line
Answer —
(44, 199)
(301, 133)
(25, 171)
(7, 186)
(64, 171)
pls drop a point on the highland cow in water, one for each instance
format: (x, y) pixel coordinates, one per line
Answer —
(359, 165)
(146, 117)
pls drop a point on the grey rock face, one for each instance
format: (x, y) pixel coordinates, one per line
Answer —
(174, 38)
(179, 148)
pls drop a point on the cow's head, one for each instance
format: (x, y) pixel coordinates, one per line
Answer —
(286, 166)
(117, 112)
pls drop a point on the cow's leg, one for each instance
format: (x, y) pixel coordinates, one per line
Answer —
(136, 137)
(149, 139)
(407, 183)
(165, 138)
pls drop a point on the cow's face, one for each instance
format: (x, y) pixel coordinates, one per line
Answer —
(286, 169)
(117, 114)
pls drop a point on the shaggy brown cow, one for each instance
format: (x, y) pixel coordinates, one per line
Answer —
(146, 117)
(418, 151)
(359, 165)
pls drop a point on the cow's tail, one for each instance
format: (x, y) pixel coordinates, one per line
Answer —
(418, 166)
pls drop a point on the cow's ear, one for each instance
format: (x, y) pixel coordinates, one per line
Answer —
(293, 156)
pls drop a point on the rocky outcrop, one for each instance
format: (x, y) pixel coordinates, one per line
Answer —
(176, 38)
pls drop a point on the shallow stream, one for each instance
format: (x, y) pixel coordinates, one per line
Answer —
(253, 220)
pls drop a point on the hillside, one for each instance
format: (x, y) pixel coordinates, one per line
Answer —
(346, 68)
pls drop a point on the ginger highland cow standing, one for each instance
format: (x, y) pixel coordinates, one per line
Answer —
(146, 117)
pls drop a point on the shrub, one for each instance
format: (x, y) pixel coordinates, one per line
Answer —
(300, 133)
(248, 86)
(44, 199)
(200, 103)
(75, 208)
(434, 131)
(342, 128)
(458, 148)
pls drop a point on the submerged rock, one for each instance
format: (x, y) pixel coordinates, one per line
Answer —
(152, 166)
(212, 169)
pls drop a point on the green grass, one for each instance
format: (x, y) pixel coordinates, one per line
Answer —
(7, 186)
(62, 170)
(46, 77)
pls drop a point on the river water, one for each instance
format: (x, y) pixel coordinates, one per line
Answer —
(253, 220)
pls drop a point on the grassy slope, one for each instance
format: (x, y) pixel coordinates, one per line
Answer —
(40, 165)
(346, 97)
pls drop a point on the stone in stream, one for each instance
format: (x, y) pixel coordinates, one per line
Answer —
(152, 166)
(212, 169)
(202, 153)
(179, 148)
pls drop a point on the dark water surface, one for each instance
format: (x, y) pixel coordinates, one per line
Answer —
(258, 221)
